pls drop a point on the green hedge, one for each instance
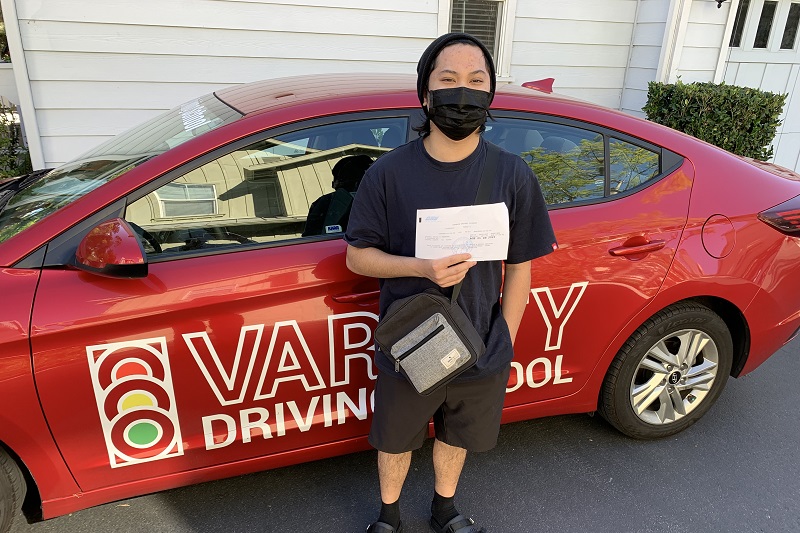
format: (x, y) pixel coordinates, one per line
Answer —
(738, 119)
(14, 157)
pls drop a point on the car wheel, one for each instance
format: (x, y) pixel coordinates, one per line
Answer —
(668, 373)
(12, 490)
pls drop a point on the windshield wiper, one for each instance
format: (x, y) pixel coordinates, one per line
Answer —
(23, 181)
(10, 188)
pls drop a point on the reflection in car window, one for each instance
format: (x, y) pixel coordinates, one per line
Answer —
(631, 165)
(110, 160)
(567, 160)
(570, 161)
(285, 187)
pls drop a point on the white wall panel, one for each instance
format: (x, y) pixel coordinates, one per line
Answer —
(706, 11)
(568, 77)
(647, 41)
(750, 74)
(116, 94)
(574, 55)
(640, 77)
(573, 31)
(731, 69)
(59, 150)
(161, 40)
(605, 97)
(787, 150)
(194, 69)
(694, 58)
(121, 60)
(776, 78)
(704, 35)
(645, 57)
(791, 122)
(649, 33)
(634, 100)
(696, 76)
(92, 122)
(265, 16)
(575, 10)
(421, 6)
(653, 11)
(703, 41)
(583, 45)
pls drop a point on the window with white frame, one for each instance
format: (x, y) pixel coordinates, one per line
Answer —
(491, 21)
(481, 18)
(773, 25)
(789, 37)
(187, 199)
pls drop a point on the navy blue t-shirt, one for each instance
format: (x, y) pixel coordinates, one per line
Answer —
(384, 213)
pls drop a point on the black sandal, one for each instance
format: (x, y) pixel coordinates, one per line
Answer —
(383, 527)
(459, 524)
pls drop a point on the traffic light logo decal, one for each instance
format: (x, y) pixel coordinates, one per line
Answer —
(135, 400)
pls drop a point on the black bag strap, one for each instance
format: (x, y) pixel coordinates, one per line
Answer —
(484, 190)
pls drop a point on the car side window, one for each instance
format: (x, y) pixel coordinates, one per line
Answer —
(568, 161)
(575, 164)
(286, 187)
(631, 165)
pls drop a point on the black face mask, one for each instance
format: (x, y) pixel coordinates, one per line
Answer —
(459, 111)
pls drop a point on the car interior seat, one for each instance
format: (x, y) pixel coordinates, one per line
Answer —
(558, 144)
(329, 213)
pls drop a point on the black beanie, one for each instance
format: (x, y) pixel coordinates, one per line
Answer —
(429, 56)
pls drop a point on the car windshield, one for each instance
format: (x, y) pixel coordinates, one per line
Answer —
(110, 160)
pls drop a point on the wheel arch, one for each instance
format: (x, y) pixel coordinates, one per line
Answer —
(728, 311)
(32, 504)
(617, 380)
(737, 326)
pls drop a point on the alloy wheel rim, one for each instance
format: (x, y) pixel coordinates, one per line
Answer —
(674, 377)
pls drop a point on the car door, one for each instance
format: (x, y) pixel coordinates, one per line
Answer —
(248, 337)
(618, 206)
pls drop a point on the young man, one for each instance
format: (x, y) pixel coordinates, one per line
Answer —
(456, 84)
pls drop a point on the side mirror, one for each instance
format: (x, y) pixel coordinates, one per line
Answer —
(112, 249)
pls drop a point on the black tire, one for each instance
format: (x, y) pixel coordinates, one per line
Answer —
(12, 491)
(669, 397)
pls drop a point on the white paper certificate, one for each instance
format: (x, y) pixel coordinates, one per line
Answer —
(480, 230)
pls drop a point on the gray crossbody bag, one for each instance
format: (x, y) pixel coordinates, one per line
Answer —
(428, 335)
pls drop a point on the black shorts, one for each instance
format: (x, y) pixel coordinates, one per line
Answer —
(465, 414)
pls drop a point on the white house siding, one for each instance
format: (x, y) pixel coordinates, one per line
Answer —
(97, 68)
(87, 70)
(703, 41)
(583, 44)
(648, 38)
(772, 70)
(777, 78)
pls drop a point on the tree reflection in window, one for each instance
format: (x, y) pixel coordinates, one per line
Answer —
(571, 174)
(577, 172)
(631, 165)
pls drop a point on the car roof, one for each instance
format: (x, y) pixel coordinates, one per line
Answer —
(260, 96)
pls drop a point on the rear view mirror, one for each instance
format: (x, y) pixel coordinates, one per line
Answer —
(112, 249)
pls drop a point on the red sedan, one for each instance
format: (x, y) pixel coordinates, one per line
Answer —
(178, 307)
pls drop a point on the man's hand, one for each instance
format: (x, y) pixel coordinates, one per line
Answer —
(447, 271)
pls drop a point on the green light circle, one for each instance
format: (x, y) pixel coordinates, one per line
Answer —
(143, 433)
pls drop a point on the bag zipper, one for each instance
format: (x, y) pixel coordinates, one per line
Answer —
(414, 348)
